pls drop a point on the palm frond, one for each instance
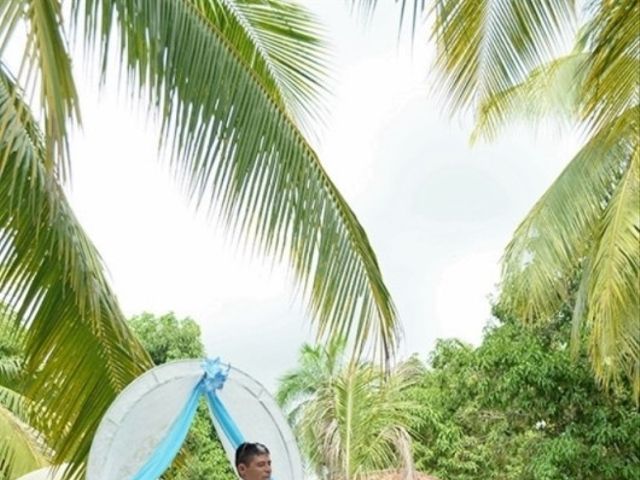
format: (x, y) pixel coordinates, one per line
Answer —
(598, 241)
(239, 151)
(571, 234)
(554, 90)
(411, 11)
(46, 66)
(372, 418)
(20, 450)
(488, 46)
(548, 248)
(318, 366)
(282, 43)
(612, 83)
(278, 40)
(78, 348)
(614, 296)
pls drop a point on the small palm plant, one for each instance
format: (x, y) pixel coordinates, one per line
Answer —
(350, 418)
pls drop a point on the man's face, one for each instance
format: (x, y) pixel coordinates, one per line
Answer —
(259, 468)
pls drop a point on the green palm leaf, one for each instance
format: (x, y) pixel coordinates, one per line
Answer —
(276, 39)
(614, 296)
(486, 46)
(612, 84)
(238, 150)
(20, 449)
(46, 71)
(554, 90)
(554, 243)
(318, 366)
(599, 88)
(499, 58)
(413, 9)
(280, 41)
(78, 348)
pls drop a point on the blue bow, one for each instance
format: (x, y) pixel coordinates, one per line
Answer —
(215, 374)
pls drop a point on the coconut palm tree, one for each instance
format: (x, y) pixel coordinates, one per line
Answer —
(505, 60)
(235, 83)
(350, 418)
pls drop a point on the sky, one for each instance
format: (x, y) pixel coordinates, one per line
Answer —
(438, 211)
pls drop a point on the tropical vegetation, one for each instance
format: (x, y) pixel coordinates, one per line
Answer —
(506, 61)
(350, 418)
(520, 406)
(235, 85)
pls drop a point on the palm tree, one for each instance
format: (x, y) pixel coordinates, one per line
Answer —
(503, 60)
(235, 82)
(350, 418)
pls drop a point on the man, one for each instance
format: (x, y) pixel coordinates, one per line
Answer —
(253, 461)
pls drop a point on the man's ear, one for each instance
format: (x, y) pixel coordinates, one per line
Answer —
(242, 468)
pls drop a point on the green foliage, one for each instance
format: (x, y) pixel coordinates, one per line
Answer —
(230, 79)
(519, 407)
(202, 457)
(234, 83)
(505, 60)
(350, 419)
(21, 448)
(500, 59)
(78, 349)
(168, 338)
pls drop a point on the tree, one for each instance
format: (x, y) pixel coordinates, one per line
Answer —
(503, 60)
(350, 419)
(168, 338)
(234, 83)
(519, 407)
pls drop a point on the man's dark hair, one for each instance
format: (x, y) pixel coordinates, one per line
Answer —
(247, 450)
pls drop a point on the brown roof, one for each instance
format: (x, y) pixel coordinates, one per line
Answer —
(398, 475)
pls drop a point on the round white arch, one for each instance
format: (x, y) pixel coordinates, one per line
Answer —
(143, 413)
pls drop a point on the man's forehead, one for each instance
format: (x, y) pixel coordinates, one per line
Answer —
(261, 457)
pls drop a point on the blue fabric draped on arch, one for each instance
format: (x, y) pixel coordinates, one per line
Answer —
(213, 379)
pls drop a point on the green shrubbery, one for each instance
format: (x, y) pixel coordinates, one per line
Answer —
(520, 407)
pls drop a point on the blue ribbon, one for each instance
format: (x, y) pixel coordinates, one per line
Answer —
(215, 375)
(221, 415)
(166, 451)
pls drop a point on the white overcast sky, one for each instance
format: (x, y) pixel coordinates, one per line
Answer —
(437, 211)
